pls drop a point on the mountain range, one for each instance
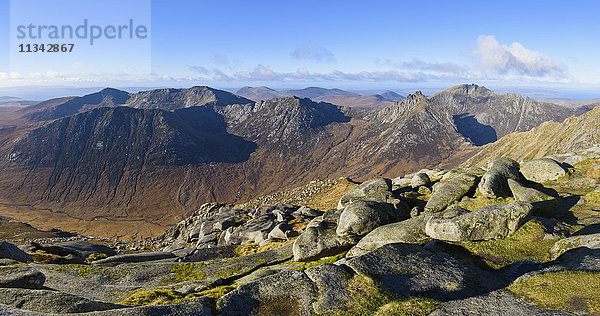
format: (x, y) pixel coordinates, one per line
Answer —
(150, 158)
(6, 101)
(334, 96)
(569, 102)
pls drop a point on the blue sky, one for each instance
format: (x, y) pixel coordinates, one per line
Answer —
(550, 46)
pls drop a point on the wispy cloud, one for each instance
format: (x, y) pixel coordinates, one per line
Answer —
(221, 59)
(501, 59)
(265, 73)
(199, 69)
(315, 52)
(417, 64)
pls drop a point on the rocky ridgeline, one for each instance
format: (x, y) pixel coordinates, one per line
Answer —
(436, 240)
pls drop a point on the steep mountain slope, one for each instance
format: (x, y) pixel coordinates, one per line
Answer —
(484, 116)
(574, 134)
(61, 107)
(153, 157)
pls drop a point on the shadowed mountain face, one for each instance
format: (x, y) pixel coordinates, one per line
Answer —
(480, 113)
(155, 156)
(479, 134)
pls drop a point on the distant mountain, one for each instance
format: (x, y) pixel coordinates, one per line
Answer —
(391, 96)
(569, 102)
(175, 99)
(163, 99)
(154, 156)
(6, 101)
(334, 96)
(260, 93)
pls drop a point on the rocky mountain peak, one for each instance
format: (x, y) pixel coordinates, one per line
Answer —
(472, 90)
(174, 99)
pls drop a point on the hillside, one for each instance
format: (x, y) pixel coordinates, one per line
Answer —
(574, 134)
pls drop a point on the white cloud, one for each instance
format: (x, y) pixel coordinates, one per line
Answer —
(501, 59)
(417, 64)
(315, 52)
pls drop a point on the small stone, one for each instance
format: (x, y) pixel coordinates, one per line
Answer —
(420, 179)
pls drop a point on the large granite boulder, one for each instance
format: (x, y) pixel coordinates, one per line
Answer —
(410, 270)
(496, 303)
(331, 281)
(360, 217)
(318, 290)
(490, 222)
(376, 190)
(10, 251)
(493, 183)
(449, 192)
(411, 231)
(255, 230)
(522, 193)
(285, 293)
(23, 277)
(49, 301)
(542, 170)
(591, 241)
(78, 249)
(320, 238)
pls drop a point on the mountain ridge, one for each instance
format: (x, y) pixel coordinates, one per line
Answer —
(160, 154)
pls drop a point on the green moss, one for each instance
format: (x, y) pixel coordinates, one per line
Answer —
(187, 272)
(480, 201)
(575, 291)
(370, 298)
(592, 198)
(216, 292)
(94, 257)
(414, 306)
(527, 243)
(153, 297)
(85, 271)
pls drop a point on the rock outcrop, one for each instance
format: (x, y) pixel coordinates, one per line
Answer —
(10, 251)
(494, 181)
(543, 169)
(21, 277)
(490, 222)
(450, 192)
